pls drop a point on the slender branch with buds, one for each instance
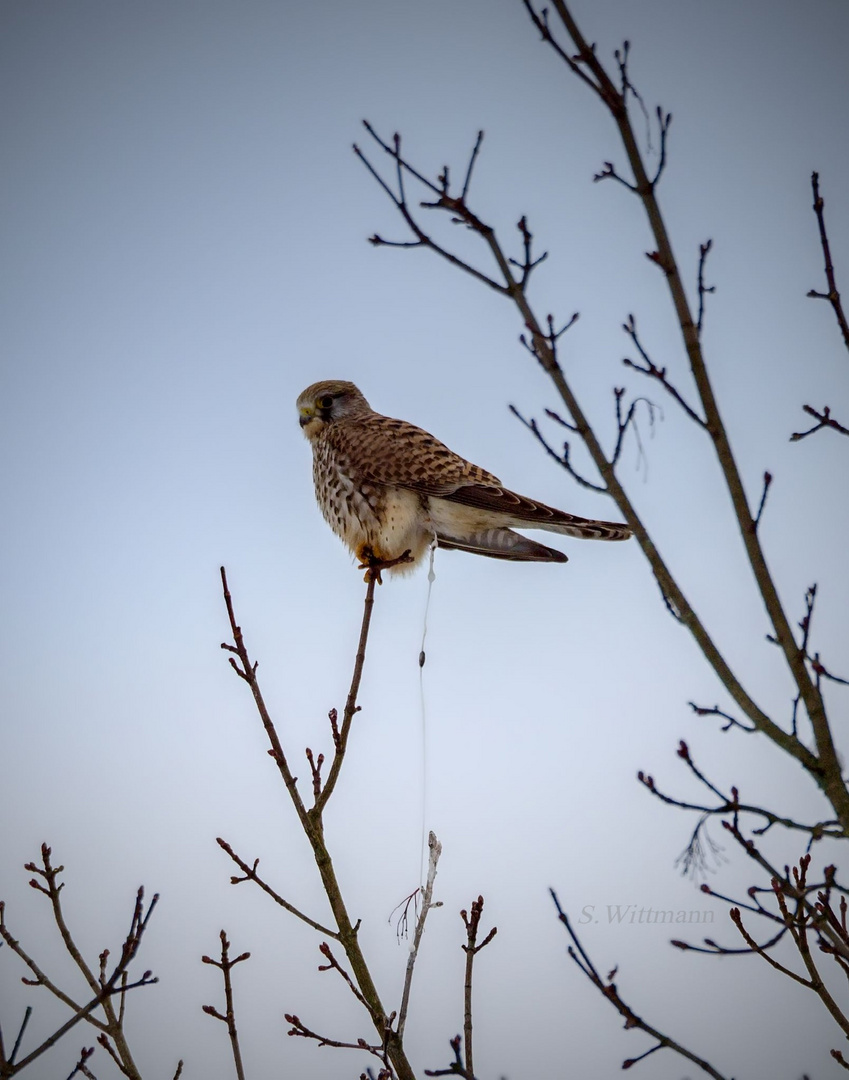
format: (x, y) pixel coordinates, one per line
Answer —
(510, 279)
(807, 736)
(833, 295)
(228, 1017)
(106, 984)
(610, 991)
(312, 823)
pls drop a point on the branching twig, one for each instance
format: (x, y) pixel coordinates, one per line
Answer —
(833, 296)
(104, 985)
(564, 459)
(654, 372)
(471, 949)
(435, 850)
(311, 821)
(81, 1066)
(457, 1067)
(250, 874)
(334, 965)
(731, 805)
(701, 710)
(823, 765)
(300, 1029)
(444, 201)
(798, 923)
(823, 419)
(226, 965)
(610, 991)
(704, 251)
(351, 706)
(629, 421)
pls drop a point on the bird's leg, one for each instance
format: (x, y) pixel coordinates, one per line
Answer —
(373, 565)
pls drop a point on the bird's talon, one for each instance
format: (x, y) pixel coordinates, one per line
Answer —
(373, 565)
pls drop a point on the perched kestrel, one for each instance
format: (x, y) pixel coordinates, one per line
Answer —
(388, 488)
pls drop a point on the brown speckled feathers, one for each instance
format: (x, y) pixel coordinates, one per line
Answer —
(387, 487)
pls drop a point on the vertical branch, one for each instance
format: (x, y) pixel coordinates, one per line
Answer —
(311, 820)
(824, 768)
(471, 949)
(247, 672)
(435, 849)
(833, 296)
(226, 965)
(827, 771)
(351, 706)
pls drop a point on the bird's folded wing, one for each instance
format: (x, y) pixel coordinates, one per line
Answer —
(388, 451)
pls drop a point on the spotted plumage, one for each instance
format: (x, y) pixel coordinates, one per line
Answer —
(387, 487)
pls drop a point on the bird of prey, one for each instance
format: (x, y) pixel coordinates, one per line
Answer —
(389, 489)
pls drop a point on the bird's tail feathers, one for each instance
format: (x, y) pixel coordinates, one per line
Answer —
(584, 528)
(502, 544)
(518, 511)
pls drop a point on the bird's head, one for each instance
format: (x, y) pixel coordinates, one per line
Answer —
(327, 402)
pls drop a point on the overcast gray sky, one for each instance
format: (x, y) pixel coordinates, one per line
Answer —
(184, 233)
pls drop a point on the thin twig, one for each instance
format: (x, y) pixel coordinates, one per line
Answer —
(247, 672)
(564, 459)
(104, 987)
(833, 296)
(701, 710)
(334, 965)
(434, 850)
(250, 874)
(823, 419)
(226, 965)
(351, 706)
(767, 482)
(609, 990)
(81, 1066)
(704, 251)
(654, 372)
(300, 1029)
(471, 949)
(20, 1035)
(457, 1066)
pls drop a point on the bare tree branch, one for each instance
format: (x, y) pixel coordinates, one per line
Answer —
(434, 851)
(313, 826)
(649, 368)
(471, 949)
(226, 965)
(104, 986)
(609, 990)
(823, 419)
(833, 296)
(822, 766)
(704, 251)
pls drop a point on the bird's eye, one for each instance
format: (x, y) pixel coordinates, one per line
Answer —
(325, 402)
